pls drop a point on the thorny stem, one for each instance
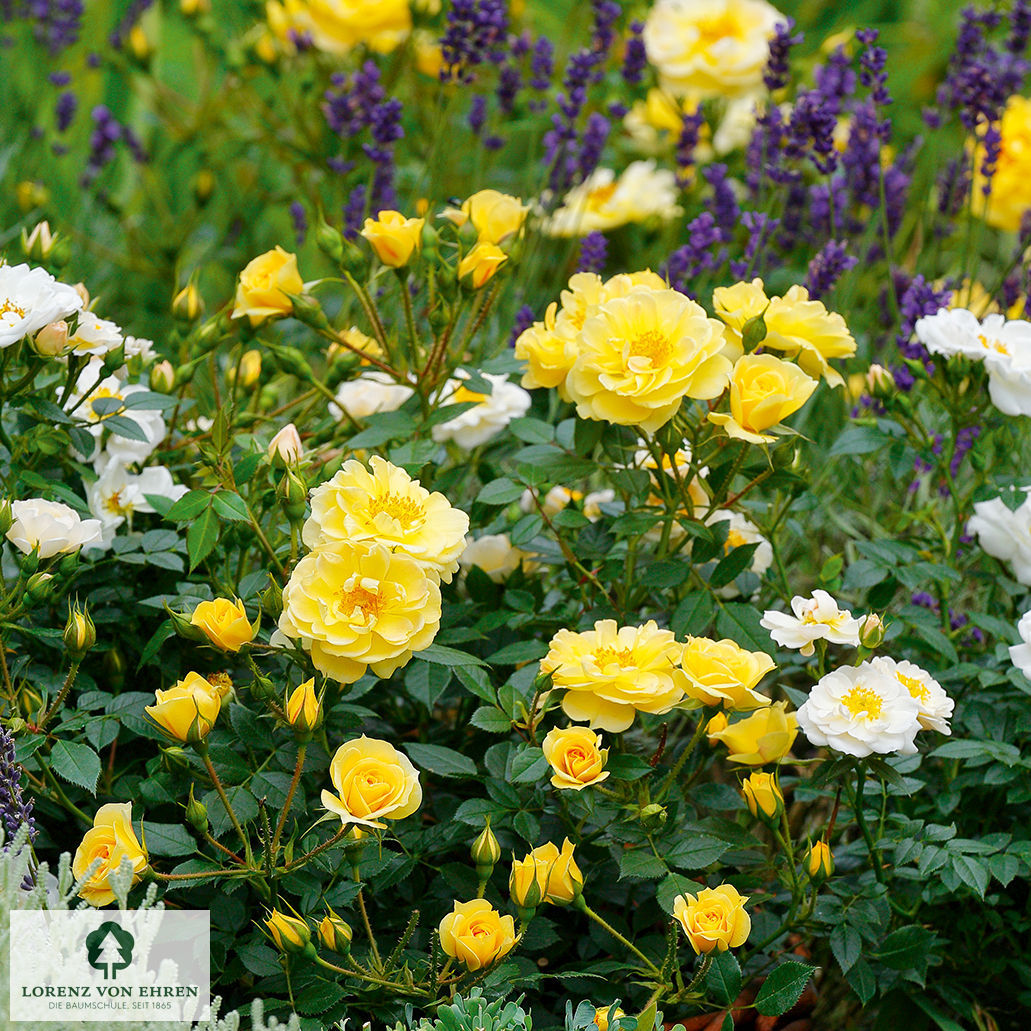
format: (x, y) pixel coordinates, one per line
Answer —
(301, 750)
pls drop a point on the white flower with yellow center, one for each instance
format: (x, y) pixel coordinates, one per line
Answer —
(30, 298)
(816, 618)
(368, 394)
(50, 528)
(710, 48)
(359, 606)
(860, 710)
(490, 413)
(116, 495)
(1005, 533)
(1020, 654)
(94, 335)
(959, 331)
(387, 506)
(935, 705)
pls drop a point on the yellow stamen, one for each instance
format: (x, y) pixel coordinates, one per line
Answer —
(917, 689)
(863, 703)
(653, 345)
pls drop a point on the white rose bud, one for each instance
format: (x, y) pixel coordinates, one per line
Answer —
(52, 339)
(285, 447)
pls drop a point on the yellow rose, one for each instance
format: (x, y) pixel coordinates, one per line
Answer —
(735, 305)
(576, 756)
(387, 506)
(337, 26)
(289, 933)
(549, 355)
(480, 264)
(1010, 195)
(762, 795)
(264, 284)
(611, 673)
(764, 737)
(374, 781)
(250, 368)
(476, 934)
(819, 863)
(187, 710)
(601, 1017)
(357, 605)
(723, 673)
(715, 918)
(546, 875)
(335, 933)
(111, 840)
(763, 392)
(224, 622)
(806, 331)
(393, 237)
(710, 48)
(495, 216)
(715, 726)
(642, 354)
(303, 711)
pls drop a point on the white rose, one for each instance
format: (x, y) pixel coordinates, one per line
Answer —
(935, 705)
(1005, 534)
(859, 710)
(1009, 378)
(494, 554)
(813, 619)
(117, 494)
(736, 126)
(95, 336)
(370, 393)
(286, 445)
(958, 331)
(489, 415)
(50, 527)
(1020, 654)
(30, 298)
(743, 531)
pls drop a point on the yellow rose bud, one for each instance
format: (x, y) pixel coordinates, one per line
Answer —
(763, 796)
(187, 305)
(111, 840)
(602, 1015)
(723, 673)
(819, 863)
(335, 933)
(477, 268)
(289, 933)
(476, 934)
(31, 195)
(264, 284)
(715, 918)
(764, 390)
(486, 850)
(250, 369)
(555, 873)
(374, 781)
(576, 756)
(187, 710)
(871, 631)
(764, 737)
(303, 711)
(715, 726)
(495, 216)
(393, 237)
(79, 634)
(224, 623)
(139, 45)
(524, 889)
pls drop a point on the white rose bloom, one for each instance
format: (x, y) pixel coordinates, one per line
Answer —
(51, 527)
(370, 393)
(1020, 654)
(489, 416)
(30, 298)
(1005, 534)
(603, 201)
(959, 331)
(743, 531)
(1009, 377)
(553, 502)
(710, 48)
(935, 705)
(494, 554)
(814, 619)
(593, 502)
(94, 336)
(859, 710)
(140, 347)
(117, 494)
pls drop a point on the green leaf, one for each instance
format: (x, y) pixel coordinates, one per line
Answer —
(426, 682)
(231, 506)
(202, 536)
(188, 506)
(527, 765)
(125, 427)
(153, 646)
(76, 763)
(861, 978)
(662, 575)
(627, 767)
(640, 864)
(696, 851)
(448, 656)
(500, 492)
(526, 529)
(732, 565)
(740, 623)
(907, 948)
(445, 762)
(491, 719)
(974, 873)
(168, 839)
(846, 944)
(476, 681)
(675, 884)
(693, 615)
(783, 988)
(724, 978)
(519, 651)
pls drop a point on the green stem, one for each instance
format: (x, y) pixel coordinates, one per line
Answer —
(603, 923)
(217, 784)
(68, 681)
(684, 755)
(857, 806)
(301, 749)
(365, 920)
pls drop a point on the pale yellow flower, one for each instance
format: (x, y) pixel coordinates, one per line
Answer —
(337, 26)
(394, 238)
(557, 878)
(495, 216)
(264, 284)
(714, 919)
(224, 623)
(476, 934)
(374, 782)
(188, 709)
(806, 331)
(723, 673)
(481, 263)
(1010, 196)
(764, 737)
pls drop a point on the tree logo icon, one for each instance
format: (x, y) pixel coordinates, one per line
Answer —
(109, 948)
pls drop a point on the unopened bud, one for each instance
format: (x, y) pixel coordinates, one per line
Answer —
(329, 241)
(486, 851)
(819, 863)
(272, 601)
(183, 626)
(250, 369)
(291, 360)
(293, 496)
(52, 340)
(653, 816)
(871, 631)
(187, 304)
(304, 710)
(307, 309)
(79, 633)
(39, 586)
(880, 383)
(763, 797)
(31, 195)
(196, 814)
(263, 689)
(716, 725)
(162, 377)
(6, 517)
(289, 933)
(38, 244)
(753, 332)
(335, 934)
(285, 447)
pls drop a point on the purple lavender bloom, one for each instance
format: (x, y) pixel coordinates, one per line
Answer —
(778, 66)
(592, 144)
(477, 114)
(760, 229)
(300, 221)
(542, 66)
(965, 440)
(354, 211)
(56, 24)
(924, 600)
(510, 81)
(593, 253)
(132, 15)
(14, 810)
(687, 141)
(64, 110)
(814, 118)
(59, 78)
(523, 321)
(475, 32)
(828, 267)
(725, 208)
(635, 57)
(700, 253)
(106, 132)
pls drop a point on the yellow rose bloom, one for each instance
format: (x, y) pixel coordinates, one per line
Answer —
(762, 795)
(557, 878)
(357, 605)
(335, 933)
(373, 781)
(611, 673)
(601, 1017)
(386, 506)
(337, 26)
(641, 354)
(806, 331)
(224, 622)
(764, 390)
(303, 711)
(723, 673)
(264, 284)
(549, 354)
(110, 840)
(715, 726)
(764, 737)
(710, 48)
(714, 919)
(188, 709)
(476, 934)
(480, 264)
(1010, 195)
(735, 305)
(576, 756)
(393, 237)
(495, 216)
